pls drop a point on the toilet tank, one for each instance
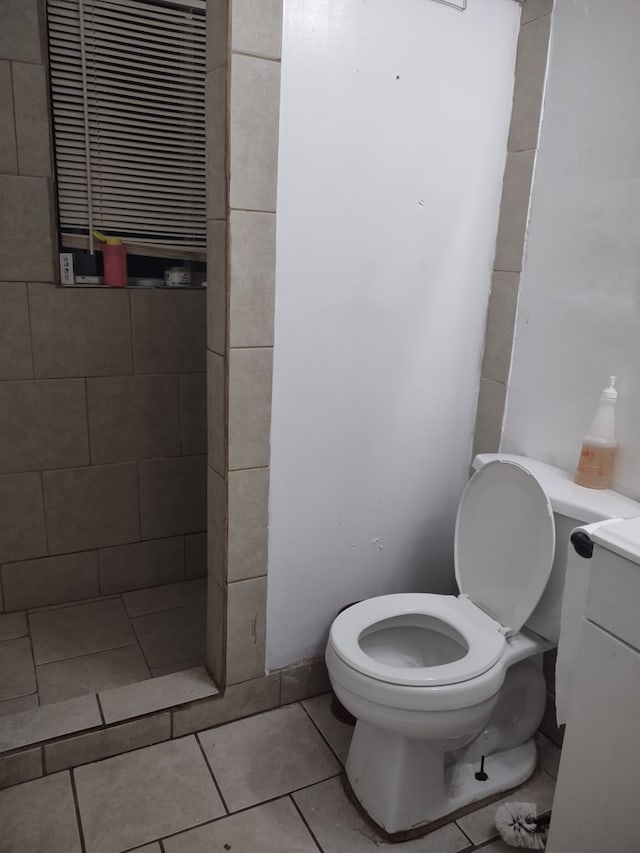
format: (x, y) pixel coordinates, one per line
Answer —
(572, 506)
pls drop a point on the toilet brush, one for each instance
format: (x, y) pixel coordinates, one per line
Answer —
(519, 826)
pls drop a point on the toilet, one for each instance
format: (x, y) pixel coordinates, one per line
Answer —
(448, 690)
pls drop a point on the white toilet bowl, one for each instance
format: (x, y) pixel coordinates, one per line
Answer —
(437, 682)
(422, 687)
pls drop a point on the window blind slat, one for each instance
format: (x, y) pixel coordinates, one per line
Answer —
(145, 71)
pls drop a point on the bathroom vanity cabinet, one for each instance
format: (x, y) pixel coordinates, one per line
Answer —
(596, 804)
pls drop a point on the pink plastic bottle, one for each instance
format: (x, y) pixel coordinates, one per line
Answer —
(114, 257)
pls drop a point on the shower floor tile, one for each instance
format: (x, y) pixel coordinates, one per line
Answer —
(181, 796)
(90, 646)
(173, 635)
(16, 666)
(263, 757)
(83, 629)
(78, 676)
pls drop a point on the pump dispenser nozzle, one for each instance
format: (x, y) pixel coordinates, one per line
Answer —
(610, 392)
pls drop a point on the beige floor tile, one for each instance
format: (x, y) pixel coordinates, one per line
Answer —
(172, 636)
(167, 597)
(480, 825)
(178, 688)
(36, 724)
(339, 828)
(90, 673)
(22, 703)
(266, 756)
(16, 666)
(80, 630)
(271, 828)
(13, 625)
(337, 734)
(141, 796)
(39, 817)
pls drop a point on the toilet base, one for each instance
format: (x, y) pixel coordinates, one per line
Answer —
(415, 794)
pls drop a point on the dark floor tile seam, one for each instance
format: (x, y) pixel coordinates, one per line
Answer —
(101, 712)
(304, 820)
(17, 636)
(80, 602)
(76, 804)
(85, 655)
(197, 605)
(317, 728)
(211, 773)
(95, 730)
(285, 795)
(465, 834)
(139, 644)
(33, 659)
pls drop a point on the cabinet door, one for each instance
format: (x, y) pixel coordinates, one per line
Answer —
(596, 806)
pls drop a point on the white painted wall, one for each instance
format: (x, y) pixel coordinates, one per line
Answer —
(394, 119)
(579, 308)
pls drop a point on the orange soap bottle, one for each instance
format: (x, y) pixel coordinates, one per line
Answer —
(599, 444)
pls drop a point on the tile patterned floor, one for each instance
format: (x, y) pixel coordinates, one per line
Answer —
(266, 784)
(55, 653)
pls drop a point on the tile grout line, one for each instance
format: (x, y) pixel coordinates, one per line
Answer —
(304, 821)
(317, 728)
(85, 655)
(97, 695)
(210, 769)
(33, 658)
(139, 645)
(229, 814)
(455, 822)
(77, 808)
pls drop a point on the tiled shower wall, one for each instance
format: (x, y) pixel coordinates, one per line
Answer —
(528, 95)
(102, 392)
(243, 84)
(526, 115)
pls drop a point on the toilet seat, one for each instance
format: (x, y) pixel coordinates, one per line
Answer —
(447, 614)
(504, 547)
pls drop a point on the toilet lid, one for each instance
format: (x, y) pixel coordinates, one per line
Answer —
(504, 542)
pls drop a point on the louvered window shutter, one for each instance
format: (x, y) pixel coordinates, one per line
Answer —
(128, 94)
